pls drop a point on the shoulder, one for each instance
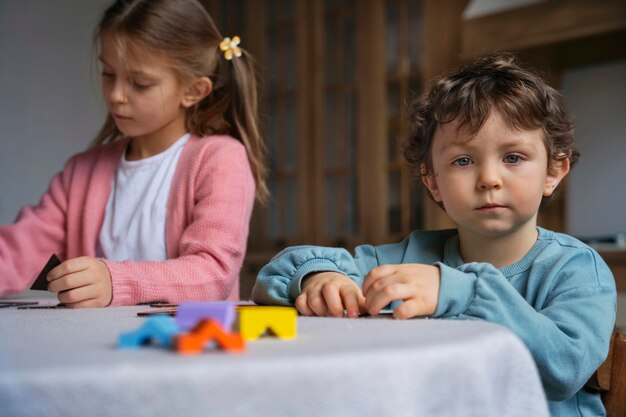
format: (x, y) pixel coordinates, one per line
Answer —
(565, 252)
(563, 243)
(214, 146)
(212, 162)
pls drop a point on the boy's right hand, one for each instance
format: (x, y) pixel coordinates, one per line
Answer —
(329, 294)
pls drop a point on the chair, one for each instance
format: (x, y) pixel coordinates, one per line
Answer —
(610, 378)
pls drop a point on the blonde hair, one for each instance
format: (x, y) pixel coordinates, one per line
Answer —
(184, 33)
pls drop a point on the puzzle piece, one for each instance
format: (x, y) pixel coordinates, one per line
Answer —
(205, 332)
(254, 321)
(188, 315)
(159, 328)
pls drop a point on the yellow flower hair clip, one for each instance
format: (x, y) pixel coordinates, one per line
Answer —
(230, 47)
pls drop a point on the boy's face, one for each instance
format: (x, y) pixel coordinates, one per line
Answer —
(492, 184)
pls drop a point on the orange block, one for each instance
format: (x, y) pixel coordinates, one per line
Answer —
(207, 331)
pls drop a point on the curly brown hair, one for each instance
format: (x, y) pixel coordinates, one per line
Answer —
(468, 95)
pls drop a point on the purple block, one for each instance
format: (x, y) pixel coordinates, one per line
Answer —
(189, 314)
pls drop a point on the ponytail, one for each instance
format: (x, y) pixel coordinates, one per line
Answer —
(232, 108)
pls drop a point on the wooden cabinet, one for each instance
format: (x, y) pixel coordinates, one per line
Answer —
(337, 77)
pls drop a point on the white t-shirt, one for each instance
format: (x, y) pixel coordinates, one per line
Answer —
(134, 219)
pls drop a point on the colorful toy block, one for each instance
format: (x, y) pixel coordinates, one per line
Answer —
(159, 328)
(207, 331)
(255, 321)
(188, 315)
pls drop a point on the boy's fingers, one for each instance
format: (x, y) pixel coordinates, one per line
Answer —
(316, 303)
(302, 305)
(351, 302)
(406, 310)
(377, 300)
(333, 301)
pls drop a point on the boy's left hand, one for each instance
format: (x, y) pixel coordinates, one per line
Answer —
(81, 282)
(415, 284)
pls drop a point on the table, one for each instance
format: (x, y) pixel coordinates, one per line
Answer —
(64, 362)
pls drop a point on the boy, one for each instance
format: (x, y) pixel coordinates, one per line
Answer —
(491, 143)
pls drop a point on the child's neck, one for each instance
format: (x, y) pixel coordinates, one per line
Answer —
(499, 251)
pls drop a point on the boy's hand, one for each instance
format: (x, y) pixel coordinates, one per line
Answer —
(81, 282)
(329, 294)
(415, 284)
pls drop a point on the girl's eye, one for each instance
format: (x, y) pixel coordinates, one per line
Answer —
(512, 159)
(107, 74)
(141, 85)
(463, 162)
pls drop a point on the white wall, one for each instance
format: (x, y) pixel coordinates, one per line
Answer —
(50, 105)
(596, 198)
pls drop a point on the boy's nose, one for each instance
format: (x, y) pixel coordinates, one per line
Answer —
(489, 178)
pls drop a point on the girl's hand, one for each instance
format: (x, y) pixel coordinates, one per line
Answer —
(415, 284)
(329, 294)
(81, 282)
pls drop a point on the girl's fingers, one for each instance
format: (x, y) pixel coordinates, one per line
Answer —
(68, 267)
(68, 282)
(91, 303)
(76, 295)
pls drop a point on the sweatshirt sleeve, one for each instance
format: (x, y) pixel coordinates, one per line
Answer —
(216, 197)
(38, 232)
(279, 282)
(568, 328)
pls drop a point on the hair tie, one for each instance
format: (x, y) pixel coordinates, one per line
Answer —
(230, 47)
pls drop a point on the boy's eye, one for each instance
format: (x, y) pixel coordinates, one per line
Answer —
(512, 159)
(462, 162)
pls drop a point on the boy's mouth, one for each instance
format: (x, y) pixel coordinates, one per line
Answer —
(490, 206)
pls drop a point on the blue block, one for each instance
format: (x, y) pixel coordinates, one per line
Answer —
(159, 328)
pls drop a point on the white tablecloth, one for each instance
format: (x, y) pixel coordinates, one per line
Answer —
(66, 363)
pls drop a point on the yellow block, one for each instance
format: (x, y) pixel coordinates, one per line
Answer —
(255, 321)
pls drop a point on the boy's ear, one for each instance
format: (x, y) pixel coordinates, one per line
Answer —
(430, 182)
(556, 173)
(197, 91)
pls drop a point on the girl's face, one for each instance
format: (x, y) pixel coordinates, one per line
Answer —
(143, 95)
(492, 184)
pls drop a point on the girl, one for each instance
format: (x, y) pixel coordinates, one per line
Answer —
(158, 208)
(490, 142)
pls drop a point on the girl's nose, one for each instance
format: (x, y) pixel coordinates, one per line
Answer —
(489, 178)
(117, 93)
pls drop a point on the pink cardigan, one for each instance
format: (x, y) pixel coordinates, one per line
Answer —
(208, 214)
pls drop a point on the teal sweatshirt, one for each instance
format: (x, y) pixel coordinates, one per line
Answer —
(559, 299)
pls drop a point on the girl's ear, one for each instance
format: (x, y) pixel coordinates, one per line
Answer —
(556, 173)
(430, 182)
(197, 91)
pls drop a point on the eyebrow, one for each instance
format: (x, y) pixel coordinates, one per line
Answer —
(131, 72)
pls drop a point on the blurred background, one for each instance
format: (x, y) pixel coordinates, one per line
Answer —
(337, 78)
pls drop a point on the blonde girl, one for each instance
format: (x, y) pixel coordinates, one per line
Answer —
(159, 207)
